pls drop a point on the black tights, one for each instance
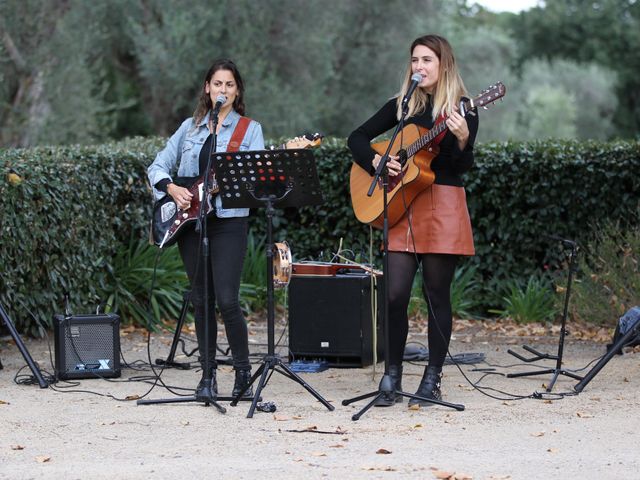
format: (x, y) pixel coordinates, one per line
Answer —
(437, 275)
(227, 248)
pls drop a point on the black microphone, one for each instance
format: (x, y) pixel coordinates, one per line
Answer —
(416, 78)
(220, 99)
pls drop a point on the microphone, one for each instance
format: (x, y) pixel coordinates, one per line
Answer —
(416, 78)
(220, 99)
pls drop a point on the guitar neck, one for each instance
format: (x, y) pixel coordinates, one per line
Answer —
(429, 137)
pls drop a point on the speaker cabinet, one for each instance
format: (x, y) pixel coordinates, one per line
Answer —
(330, 319)
(87, 346)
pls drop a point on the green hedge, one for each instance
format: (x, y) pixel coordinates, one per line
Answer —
(65, 210)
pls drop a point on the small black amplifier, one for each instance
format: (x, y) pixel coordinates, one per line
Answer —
(87, 346)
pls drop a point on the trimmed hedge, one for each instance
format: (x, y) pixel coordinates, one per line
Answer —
(65, 210)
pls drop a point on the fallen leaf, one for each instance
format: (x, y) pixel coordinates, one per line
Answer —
(42, 459)
(414, 407)
(132, 397)
(318, 454)
(584, 415)
(338, 445)
(442, 475)
(383, 451)
(17, 447)
(537, 434)
(280, 418)
(552, 450)
(2, 402)
(419, 425)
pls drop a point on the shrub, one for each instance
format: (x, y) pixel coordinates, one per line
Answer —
(608, 280)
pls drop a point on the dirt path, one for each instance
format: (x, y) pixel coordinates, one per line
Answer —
(594, 435)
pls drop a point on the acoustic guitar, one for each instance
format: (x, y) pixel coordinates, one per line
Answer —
(168, 220)
(416, 175)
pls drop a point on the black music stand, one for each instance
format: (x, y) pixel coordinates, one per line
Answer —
(558, 370)
(266, 179)
(23, 349)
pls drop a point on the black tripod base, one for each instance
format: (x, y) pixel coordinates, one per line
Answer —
(386, 389)
(166, 363)
(537, 355)
(273, 363)
(556, 373)
(205, 400)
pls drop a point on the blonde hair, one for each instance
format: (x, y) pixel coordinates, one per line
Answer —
(449, 89)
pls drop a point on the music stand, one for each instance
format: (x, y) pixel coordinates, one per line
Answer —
(558, 370)
(266, 179)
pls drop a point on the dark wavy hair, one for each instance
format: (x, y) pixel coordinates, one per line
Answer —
(204, 102)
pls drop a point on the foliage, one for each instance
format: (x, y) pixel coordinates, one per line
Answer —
(608, 283)
(81, 72)
(604, 33)
(465, 290)
(144, 285)
(533, 302)
(66, 211)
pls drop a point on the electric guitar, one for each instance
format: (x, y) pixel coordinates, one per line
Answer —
(169, 221)
(416, 174)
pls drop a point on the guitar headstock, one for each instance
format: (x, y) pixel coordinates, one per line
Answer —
(305, 141)
(490, 95)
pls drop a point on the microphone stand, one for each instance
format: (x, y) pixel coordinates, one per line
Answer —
(386, 384)
(207, 396)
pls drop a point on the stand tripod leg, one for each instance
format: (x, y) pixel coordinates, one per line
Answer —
(363, 410)
(23, 349)
(615, 348)
(176, 336)
(295, 377)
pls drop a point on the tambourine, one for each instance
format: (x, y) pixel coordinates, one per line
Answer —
(281, 264)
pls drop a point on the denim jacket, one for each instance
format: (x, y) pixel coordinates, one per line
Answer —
(183, 151)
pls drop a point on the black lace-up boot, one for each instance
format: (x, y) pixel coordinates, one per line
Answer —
(242, 380)
(202, 392)
(429, 387)
(388, 399)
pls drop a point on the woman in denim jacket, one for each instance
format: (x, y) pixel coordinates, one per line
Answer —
(187, 149)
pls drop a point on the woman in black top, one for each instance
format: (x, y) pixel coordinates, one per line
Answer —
(435, 229)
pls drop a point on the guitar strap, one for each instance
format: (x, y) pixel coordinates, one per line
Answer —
(238, 134)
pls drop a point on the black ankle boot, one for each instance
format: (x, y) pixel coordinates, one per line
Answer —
(429, 387)
(388, 399)
(242, 380)
(201, 393)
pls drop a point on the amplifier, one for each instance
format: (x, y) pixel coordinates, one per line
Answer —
(330, 319)
(87, 346)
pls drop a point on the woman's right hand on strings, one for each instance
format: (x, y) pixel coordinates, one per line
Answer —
(180, 195)
(393, 165)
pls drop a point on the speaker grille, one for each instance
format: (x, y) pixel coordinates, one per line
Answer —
(330, 318)
(87, 346)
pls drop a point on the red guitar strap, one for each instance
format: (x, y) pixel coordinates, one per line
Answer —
(238, 134)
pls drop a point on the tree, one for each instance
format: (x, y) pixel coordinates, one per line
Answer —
(604, 32)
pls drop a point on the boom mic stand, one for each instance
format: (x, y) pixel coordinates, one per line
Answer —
(207, 396)
(558, 370)
(23, 349)
(386, 386)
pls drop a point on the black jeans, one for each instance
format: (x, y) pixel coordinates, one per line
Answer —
(227, 249)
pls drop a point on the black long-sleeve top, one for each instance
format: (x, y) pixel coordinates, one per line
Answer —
(448, 165)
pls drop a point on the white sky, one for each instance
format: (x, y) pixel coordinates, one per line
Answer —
(506, 5)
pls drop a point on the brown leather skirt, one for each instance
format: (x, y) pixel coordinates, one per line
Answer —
(439, 221)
